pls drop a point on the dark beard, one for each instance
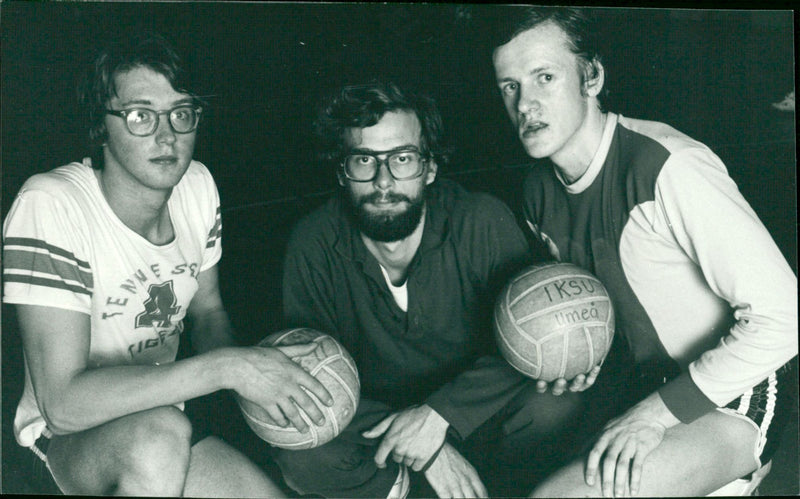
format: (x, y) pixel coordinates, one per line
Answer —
(386, 227)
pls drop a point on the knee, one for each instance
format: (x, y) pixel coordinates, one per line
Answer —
(159, 434)
(736, 440)
(564, 483)
(546, 490)
(157, 460)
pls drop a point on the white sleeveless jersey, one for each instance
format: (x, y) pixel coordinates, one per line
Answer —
(64, 247)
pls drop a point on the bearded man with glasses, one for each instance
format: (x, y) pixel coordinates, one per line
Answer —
(402, 268)
(103, 260)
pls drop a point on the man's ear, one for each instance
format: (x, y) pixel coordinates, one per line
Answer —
(430, 175)
(340, 177)
(595, 78)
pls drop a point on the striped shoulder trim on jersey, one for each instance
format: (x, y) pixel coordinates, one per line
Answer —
(35, 262)
(216, 231)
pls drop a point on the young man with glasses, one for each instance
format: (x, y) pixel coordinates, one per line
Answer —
(104, 260)
(403, 269)
(706, 304)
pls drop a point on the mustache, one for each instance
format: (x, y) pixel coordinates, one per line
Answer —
(388, 197)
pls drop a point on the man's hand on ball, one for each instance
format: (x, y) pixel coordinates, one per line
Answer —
(411, 436)
(624, 445)
(451, 475)
(579, 383)
(272, 380)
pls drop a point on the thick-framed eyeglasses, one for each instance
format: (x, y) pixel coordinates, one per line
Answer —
(404, 164)
(142, 122)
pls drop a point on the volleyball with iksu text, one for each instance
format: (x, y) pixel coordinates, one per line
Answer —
(554, 321)
(330, 363)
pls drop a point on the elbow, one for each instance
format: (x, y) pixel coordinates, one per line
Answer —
(61, 426)
(58, 419)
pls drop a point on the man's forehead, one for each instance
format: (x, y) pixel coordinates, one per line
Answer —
(546, 41)
(393, 128)
(142, 84)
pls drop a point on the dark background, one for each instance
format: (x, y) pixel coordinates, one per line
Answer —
(712, 74)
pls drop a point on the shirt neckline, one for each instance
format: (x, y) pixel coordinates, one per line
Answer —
(598, 160)
(87, 163)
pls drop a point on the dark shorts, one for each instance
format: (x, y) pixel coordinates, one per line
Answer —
(41, 478)
(768, 406)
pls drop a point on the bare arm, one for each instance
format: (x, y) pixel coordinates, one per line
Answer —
(211, 327)
(73, 396)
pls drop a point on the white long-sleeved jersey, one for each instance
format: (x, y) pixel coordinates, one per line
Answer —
(694, 276)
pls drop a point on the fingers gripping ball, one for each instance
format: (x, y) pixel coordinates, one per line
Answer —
(554, 321)
(334, 368)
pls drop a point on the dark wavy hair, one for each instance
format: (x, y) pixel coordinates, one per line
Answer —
(361, 106)
(98, 84)
(579, 25)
